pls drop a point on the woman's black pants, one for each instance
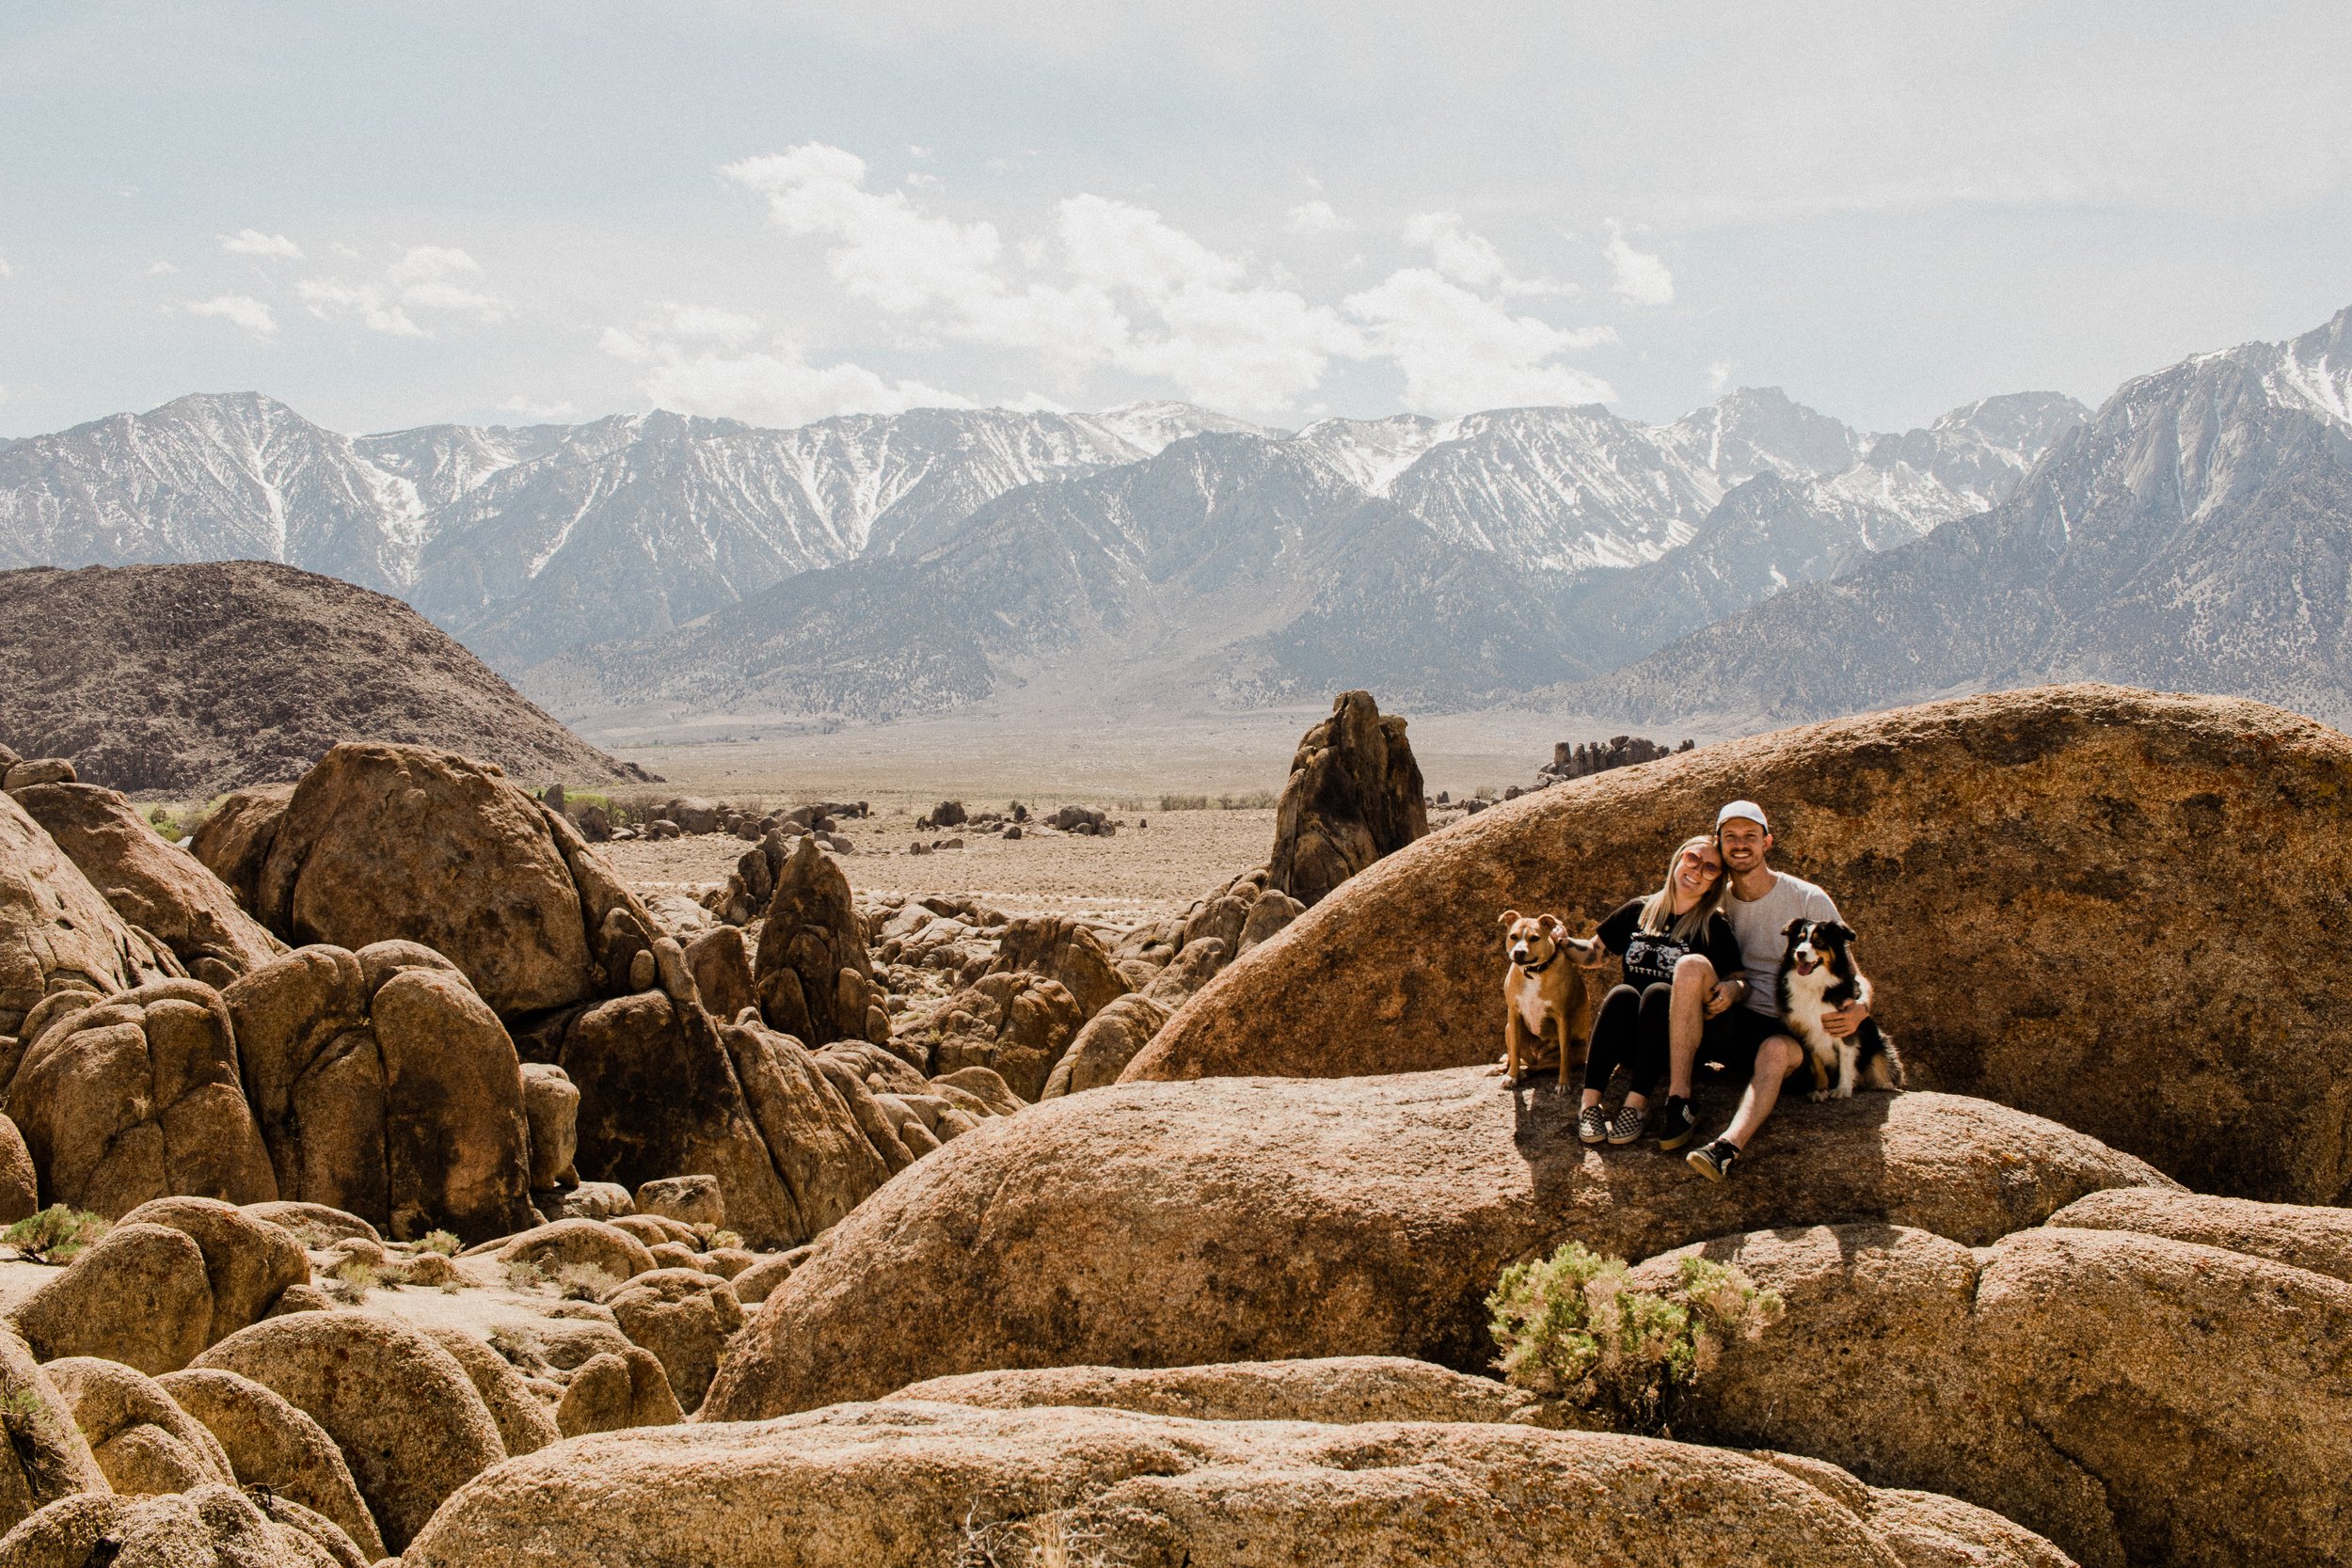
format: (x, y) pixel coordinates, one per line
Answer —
(1630, 1030)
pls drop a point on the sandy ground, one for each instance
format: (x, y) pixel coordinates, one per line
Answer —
(1090, 758)
(1141, 872)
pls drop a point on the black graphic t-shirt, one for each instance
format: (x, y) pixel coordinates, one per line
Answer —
(1650, 956)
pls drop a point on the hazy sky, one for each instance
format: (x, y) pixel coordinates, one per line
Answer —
(390, 215)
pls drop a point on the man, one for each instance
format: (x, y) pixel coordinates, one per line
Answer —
(1747, 1037)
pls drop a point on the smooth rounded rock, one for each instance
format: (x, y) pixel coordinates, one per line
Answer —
(140, 1294)
(898, 1485)
(2064, 896)
(269, 1443)
(1259, 1219)
(398, 1406)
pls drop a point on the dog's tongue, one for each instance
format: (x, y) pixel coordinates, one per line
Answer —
(1805, 966)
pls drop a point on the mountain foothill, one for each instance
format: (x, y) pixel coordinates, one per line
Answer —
(1753, 562)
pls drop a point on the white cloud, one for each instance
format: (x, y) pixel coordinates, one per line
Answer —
(1718, 377)
(698, 361)
(1468, 257)
(1115, 286)
(253, 241)
(1316, 217)
(1640, 277)
(424, 278)
(1461, 352)
(377, 312)
(160, 269)
(239, 311)
(5, 269)
(782, 389)
(540, 412)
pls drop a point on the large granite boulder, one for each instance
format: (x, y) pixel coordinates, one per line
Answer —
(57, 932)
(136, 1096)
(270, 1445)
(2094, 904)
(1059, 948)
(211, 1525)
(909, 1484)
(2317, 1239)
(813, 975)
(45, 1457)
(1101, 1049)
(1017, 1024)
(398, 1406)
(1354, 795)
(404, 843)
(1152, 1224)
(386, 1087)
(1338, 1390)
(233, 840)
(665, 1089)
(144, 1444)
(2136, 1400)
(164, 892)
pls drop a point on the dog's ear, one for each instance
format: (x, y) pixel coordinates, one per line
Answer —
(1510, 918)
(1793, 927)
(1550, 923)
(1840, 930)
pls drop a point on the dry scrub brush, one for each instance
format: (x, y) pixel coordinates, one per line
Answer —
(1571, 1328)
(56, 1235)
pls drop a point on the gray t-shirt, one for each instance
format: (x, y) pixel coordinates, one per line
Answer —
(1758, 924)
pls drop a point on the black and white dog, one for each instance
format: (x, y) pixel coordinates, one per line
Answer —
(1818, 975)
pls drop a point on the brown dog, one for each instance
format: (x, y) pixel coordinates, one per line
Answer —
(1543, 992)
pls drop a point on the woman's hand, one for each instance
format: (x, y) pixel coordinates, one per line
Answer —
(1720, 1000)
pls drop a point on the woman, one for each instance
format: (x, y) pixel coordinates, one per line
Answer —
(1676, 937)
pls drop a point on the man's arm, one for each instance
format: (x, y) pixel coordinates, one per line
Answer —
(1846, 1019)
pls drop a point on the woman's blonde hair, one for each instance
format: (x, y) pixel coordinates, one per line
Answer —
(1658, 914)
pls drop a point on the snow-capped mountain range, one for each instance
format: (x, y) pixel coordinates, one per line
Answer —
(2194, 534)
(532, 544)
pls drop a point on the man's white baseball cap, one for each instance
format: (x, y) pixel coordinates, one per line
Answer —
(1747, 809)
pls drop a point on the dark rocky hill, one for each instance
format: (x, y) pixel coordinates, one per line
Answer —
(195, 679)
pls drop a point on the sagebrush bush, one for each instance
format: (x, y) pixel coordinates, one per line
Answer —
(56, 1235)
(441, 1241)
(585, 1282)
(1570, 1328)
(353, 1279)
(1183, 802)
(1249, 800)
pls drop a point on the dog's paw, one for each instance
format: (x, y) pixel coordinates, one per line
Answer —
(1819, 1095)
(1843, 1091)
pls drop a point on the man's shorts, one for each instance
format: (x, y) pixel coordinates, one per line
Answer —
(1731, 1040)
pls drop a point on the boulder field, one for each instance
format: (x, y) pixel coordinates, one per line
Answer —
(1250, 1219)
(2098, 905)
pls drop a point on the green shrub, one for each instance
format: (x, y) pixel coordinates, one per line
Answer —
(1183, 802)
(441, 1241)
(161, 820)
(1571, 1328)
(56, 1235)
(1253, 799)
(523, 1276)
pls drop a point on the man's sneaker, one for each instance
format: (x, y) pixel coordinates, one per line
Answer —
(1627, 1124)
(1715, 1162)
(1592, 1124)
(1678, 1125)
